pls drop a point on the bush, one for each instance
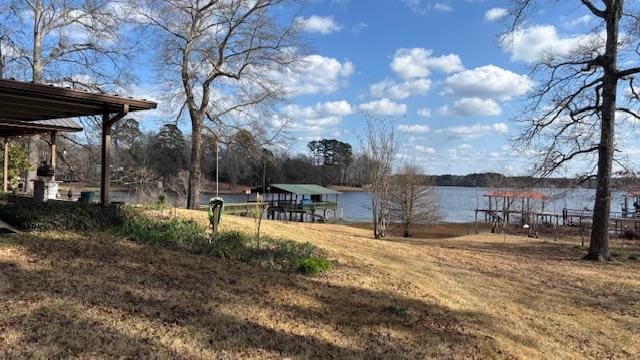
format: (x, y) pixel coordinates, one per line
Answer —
(27, 215)
(229, 244)
(280, 254)
(172, 233)
(313, 266)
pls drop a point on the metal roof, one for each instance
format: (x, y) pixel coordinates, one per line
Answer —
(305, 189)
(28, 102)
(69, 124)
(16, 128)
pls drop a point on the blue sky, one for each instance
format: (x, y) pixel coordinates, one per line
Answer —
(437, 70)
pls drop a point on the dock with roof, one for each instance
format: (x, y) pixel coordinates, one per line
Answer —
(293, 202)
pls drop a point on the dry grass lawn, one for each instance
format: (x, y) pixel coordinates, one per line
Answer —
(80, 296)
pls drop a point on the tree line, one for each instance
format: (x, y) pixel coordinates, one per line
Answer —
(141, 158)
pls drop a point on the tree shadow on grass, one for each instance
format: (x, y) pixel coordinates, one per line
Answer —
(109, 297)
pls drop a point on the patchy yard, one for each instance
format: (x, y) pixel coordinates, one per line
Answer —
(75, 295)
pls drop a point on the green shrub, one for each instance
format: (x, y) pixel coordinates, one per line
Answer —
(27, 215)
(313, 266)
(633, 257)
(280, 254)
(172, 233)
(229, 244)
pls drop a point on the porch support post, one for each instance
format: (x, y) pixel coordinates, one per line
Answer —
(5, 167)
(105, 173)
(53, 159)
(107, 123)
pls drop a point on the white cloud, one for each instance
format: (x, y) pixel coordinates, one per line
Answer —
(318, 24)
(418, 63)
(425, 150)
(316, 120)
(417, 6)
(471, 107)
(495, 14)
(577, 22)
(442, 7)
(413, 128)
(384, 107)
(626, 117)
(424, 112)
(474, 131)
(332, 108)
(533, 43)
(397, 91)
(317, 74)
(487, 82)
(359, 27)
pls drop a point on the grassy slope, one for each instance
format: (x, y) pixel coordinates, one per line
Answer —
(474, 296)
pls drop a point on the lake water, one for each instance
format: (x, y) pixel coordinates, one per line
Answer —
(457, 204)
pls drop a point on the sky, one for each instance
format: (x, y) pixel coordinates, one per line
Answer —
(437, 71)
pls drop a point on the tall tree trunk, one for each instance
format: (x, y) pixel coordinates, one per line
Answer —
(36, 77)
(193, 193)
(599, 245)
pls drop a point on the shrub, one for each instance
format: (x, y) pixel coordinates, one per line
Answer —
(280, 254)
(313, 266)
(229, 244)
(27, 215)
(172, 233)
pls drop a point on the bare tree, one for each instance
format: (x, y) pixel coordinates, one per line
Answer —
(379, 147)
(257, 211)
(75, 43)
(412, 201)
(219, 57)
(573, 111)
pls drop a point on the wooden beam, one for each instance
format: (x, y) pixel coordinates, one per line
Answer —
(5, 170)
(119, 116)
(105, 181)
(105, 174)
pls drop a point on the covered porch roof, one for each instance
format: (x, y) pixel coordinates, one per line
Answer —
(28, 101)
(11, 128)
(28, 108)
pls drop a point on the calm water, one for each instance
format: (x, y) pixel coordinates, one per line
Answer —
(457, 204)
